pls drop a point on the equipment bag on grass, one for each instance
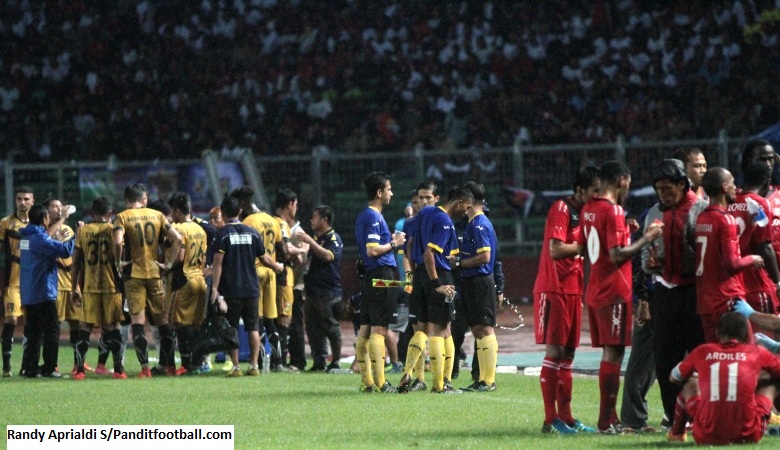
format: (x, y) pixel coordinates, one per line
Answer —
(214, 335)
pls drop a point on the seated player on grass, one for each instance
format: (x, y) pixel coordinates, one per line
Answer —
(731, 399)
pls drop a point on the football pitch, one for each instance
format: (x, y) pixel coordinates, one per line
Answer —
(315, 410)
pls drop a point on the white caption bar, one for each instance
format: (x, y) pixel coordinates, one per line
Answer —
(118, 437)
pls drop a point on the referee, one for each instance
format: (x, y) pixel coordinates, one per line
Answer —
(376, 246)
(476, 260)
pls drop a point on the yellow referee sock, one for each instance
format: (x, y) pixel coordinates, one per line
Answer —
(436, 352)
(419, 368)
(449, 357)
(488, 355)
(415, 353)
(361, 353)
(376, 352)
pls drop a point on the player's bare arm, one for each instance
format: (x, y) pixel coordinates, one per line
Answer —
(561, 250)
(430, 267)
(619, 255)
(319, 251)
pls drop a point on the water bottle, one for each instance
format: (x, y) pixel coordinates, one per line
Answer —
(760, 215)
(266, 362)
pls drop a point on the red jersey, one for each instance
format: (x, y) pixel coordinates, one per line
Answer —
(563, 276)
(750, 234)
(717, 261)
(604, 227)
(728, 376)
(773, 198)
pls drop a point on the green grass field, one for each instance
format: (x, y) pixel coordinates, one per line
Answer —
(314, 410)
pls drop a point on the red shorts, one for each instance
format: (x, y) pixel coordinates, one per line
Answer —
(728, 433)
(611, 325)
(558, 318)
(765, 302)
(709, 323)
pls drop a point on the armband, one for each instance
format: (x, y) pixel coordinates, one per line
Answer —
(436, 283)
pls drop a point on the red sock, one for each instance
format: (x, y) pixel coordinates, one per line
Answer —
(609, 385)
(680, 416)
(564, 391)
(549, 383)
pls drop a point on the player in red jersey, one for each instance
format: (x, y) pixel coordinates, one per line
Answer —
(558, 302)
(718, 259)
(726, 401)
(755, 236)
(761, 150)
(605, 235)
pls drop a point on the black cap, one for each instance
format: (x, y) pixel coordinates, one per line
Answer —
(672, 170)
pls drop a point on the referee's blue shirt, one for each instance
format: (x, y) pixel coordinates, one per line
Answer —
(479, 237)
(371, 230)
(434, 229)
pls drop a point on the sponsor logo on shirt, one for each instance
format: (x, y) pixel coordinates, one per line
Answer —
(240, 239)
(24, 245)
(373, 236)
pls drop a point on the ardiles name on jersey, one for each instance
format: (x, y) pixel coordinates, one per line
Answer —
(704, 227)
(720, 356)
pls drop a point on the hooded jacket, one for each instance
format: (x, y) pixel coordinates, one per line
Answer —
(39, 253)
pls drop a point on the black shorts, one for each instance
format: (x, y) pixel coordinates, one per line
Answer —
(430, 306)
(379, 304)
(243, 308)
(479, 300)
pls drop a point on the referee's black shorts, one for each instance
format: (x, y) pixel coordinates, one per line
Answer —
(425, 303)
(379, 304)
(479, 300)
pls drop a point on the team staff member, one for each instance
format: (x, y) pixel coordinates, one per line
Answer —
(234, 277)
(376, 247)
(269, 230)
(38, 289)
(9, 240)
(676, 325)
(558, 301)
(695, 167)
(435, 240)
(476, 261)
(139, 228)
(605, 235)
(65, 309)
(725, 401)
(323, 288)
(188, 287)
(99, 301)
(718, 259)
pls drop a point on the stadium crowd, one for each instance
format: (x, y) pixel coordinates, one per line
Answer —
(82, 79)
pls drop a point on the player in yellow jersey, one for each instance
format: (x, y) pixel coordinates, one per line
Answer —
(9, 240)
(99, 299)
(269, 230)
(66, 311)
(286, 204)
(139, 228)
(188, 307)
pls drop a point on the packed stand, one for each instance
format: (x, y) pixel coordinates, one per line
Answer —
(82, 79)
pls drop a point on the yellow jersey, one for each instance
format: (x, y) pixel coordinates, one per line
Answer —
(193, 241)
(268, 228)
(63, 266)
(143, 228)
(94, 240)
(10, 237)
